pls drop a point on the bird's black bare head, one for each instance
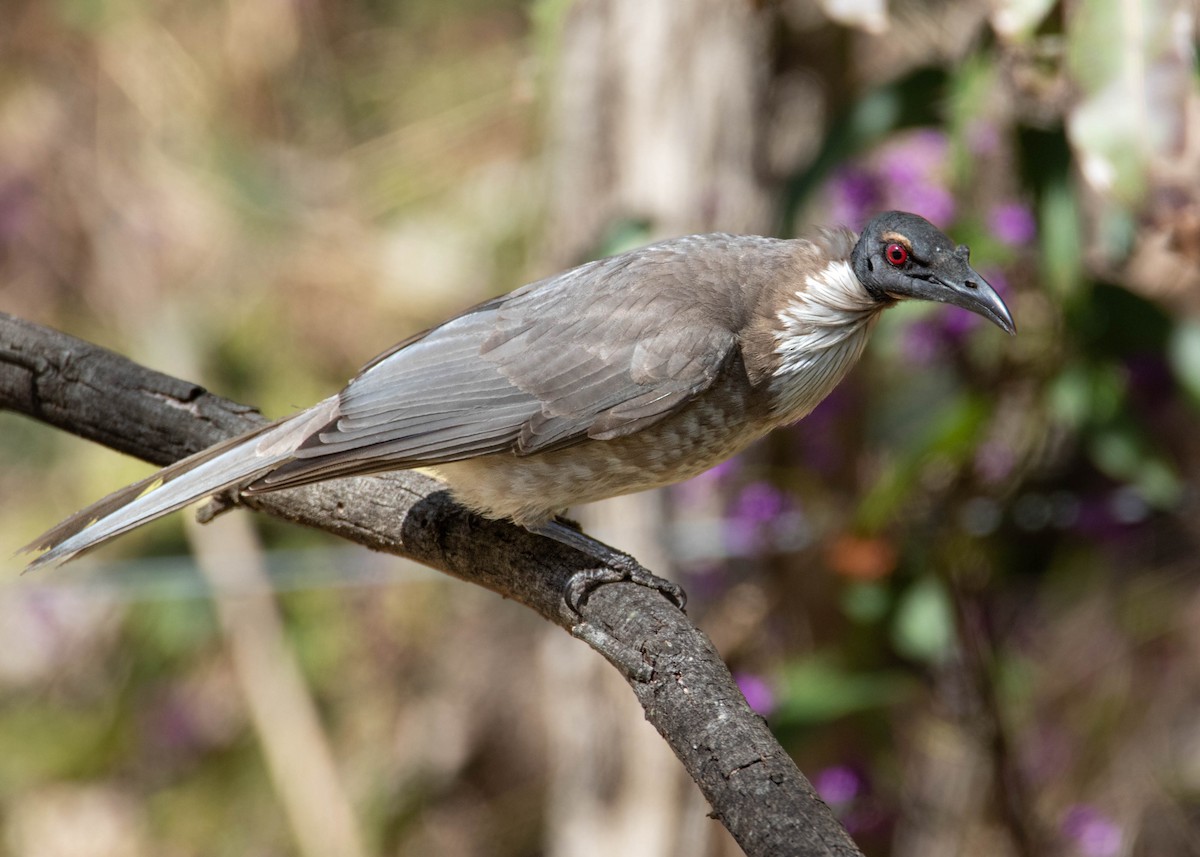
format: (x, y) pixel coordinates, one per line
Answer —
(900, 256)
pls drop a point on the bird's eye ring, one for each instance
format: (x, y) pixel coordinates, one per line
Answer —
(896, 254)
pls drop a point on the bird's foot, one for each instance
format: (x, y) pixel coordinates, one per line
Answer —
(218, 504)
(615, 567)
(619, 568)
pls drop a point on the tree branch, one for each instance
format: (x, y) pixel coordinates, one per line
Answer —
(689, 696)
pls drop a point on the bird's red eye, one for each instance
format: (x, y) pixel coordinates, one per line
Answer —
(897, 254)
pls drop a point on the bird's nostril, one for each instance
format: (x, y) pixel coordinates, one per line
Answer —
(971, 284)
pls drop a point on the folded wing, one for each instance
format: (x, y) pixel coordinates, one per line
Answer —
(593, 353)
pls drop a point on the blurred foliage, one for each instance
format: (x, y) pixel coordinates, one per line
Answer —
(974, 564)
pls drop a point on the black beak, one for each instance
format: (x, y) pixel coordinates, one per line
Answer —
(974, 293)
(953, 281)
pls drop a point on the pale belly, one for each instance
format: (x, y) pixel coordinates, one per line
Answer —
(534, 488)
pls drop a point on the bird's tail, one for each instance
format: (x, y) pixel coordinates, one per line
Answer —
(228, 464)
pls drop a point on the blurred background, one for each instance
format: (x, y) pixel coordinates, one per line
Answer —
(965, 592)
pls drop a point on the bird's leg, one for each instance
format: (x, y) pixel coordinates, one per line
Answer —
(616, 567)
(218, 504)
(568, 522)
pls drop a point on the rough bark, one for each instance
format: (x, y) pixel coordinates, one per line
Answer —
(686, 690)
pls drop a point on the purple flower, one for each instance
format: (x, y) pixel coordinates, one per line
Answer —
(820, 439)
(1092, 833)
(914, 158)
(923, 341)
(1013, 224)
(935, 204)
(758, 693)
(958, 322)
(753, 519)
(760, 503)
(908, 172)
(838, 785)
(696, 491)
(926, 340)
(854, 196)
(912, 172)
(717, 472)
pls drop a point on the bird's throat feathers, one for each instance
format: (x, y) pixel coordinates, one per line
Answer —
(822, 330)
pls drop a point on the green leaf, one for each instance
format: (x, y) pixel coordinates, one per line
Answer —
(54, 741)
(1083, 395)
(1123, 453)
(950, 434)
(1062, 239)
(866, 602)
(816, 690)
(1183, 352)
(924, 625)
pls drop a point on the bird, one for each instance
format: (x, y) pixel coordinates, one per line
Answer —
(626, 373)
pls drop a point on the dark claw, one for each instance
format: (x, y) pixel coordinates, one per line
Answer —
(622, 568)
(616, 567)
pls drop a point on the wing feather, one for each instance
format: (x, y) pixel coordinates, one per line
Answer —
(599, 352)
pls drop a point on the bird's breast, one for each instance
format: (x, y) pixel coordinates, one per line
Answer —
(809, 365)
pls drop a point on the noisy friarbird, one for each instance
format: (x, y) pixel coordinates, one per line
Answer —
(626, 373)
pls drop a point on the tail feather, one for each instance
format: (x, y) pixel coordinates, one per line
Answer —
(225, 465)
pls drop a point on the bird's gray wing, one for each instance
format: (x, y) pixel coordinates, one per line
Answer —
(586, 354)
(628, 358)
